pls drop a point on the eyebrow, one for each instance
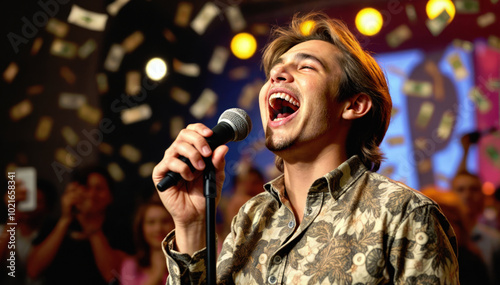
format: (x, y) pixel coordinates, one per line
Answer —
(300, 56)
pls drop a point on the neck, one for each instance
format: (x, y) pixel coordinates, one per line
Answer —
(300, 173)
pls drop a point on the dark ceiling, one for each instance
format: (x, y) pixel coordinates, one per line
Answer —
(153, 18)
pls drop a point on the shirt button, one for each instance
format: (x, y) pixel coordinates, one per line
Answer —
(277, 259)
(291, 224)
(309, 211)
(272, 279)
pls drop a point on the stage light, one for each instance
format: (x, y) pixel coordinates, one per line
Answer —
(243, 45)
(156, 68)
(436, 7)
(488, 188)
(306, 27)
(369, 21)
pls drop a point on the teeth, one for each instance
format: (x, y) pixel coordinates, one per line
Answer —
(278, 119)
(283, 96)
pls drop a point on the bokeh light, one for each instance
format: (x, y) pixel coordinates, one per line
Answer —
(243, 45)
(369, 21)
(435, 7)
(488, 188)
(156, 68)
(306, 27)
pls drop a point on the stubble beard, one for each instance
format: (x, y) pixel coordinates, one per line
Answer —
(277, 145)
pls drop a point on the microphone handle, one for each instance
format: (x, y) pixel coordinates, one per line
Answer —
(222, 134)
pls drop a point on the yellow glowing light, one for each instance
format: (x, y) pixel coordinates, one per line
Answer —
(243, 45)
(369, 21)
(156, 68)
(306, 27)
(435, 7)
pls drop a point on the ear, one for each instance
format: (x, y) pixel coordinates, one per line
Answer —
(356, 106)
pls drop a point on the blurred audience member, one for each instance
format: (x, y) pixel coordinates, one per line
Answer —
(472, 268)
(468, 188)
(152, 223)
(28, 224)
(82, 247)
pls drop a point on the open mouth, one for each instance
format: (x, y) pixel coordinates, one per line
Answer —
(282, 105)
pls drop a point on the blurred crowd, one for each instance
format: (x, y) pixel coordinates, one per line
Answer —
(86, 243)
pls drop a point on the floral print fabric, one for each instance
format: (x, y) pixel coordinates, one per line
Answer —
(359, 227)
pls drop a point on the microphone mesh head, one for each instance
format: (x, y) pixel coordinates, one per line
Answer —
(239, 121)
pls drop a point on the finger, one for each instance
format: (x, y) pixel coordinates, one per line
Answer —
(178, 166)
(190, 152)
(196, 136)
(171, 162)
(201, 129)
(218, 159)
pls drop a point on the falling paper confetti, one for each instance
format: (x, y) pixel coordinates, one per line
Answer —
(218, 60)
(131, 42)
(458, 67)
(57, 28)
(421, 89)
(200, 108)
(183, 14)
(130, 153)
(21, 110)
(90, 114)
(399, 35)
(425, 114)
(133, 83)
(102, 83)
(71, 100)
(43, 129)
(482, 103)
(63, 48)
(114, 58)
(235, 18)
(187, 69)
(181, 96)
(34, 90)
(10, 72)
(116, 172)
(87, 19)
(203, 19)
(70, 136)
(176, 125)
(437, 25)
(87, 48)
(37, 44)
(116, 6)
(446, 125)
(136, 114)
(67, 74)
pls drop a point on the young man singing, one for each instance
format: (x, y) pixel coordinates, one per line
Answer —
(329, 219)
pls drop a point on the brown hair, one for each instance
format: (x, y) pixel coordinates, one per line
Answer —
(143, 250)
(361, 74)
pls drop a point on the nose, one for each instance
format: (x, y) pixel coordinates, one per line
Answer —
(279, 74)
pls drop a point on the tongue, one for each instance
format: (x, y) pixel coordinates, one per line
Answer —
(283, 115)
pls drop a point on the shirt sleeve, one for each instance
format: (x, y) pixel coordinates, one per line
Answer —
(182, 268)
(424, 249)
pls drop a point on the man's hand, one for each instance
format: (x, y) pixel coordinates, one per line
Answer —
(185, 201)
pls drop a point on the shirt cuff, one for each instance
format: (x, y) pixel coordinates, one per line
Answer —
(178, 263)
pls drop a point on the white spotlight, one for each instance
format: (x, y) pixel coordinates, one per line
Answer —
(156, 68)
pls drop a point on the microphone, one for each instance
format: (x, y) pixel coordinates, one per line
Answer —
(234, 125)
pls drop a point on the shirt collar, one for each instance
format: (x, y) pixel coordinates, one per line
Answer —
(335, 182)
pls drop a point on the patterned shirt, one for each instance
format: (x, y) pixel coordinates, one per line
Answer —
(359, 227)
